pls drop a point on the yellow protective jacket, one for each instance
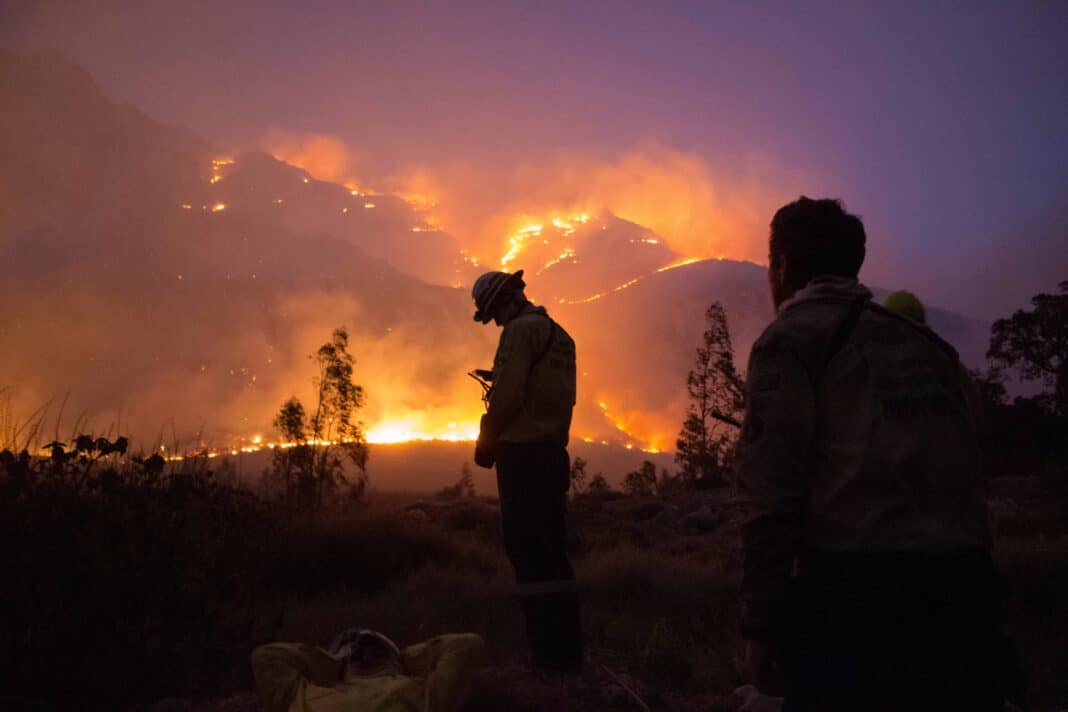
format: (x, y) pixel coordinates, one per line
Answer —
(858, 437)
(533, 383)
(293, 677)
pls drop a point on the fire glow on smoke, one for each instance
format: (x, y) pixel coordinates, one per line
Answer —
(536, 243)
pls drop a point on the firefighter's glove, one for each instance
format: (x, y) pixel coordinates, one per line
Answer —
(483, 455)
(483, 451)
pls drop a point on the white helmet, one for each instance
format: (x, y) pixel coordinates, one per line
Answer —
(489, 287)
(367, 652)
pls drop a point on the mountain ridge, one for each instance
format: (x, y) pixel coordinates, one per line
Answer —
(169, 281)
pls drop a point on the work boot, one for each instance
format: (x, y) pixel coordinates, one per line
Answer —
(538, 615)
(567, 633)
(554, 631)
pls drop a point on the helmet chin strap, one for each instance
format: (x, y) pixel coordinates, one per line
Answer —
(511, 309)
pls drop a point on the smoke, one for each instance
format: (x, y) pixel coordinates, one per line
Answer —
(326, 158)
(700, 210)
(133, 295)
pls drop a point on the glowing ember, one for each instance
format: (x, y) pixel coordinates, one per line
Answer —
(218, 207)
(629, 283)
(676, 265)
(568, 253)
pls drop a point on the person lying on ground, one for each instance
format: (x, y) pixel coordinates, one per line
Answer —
(364, 670)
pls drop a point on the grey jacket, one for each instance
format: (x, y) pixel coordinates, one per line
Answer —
(858, 437)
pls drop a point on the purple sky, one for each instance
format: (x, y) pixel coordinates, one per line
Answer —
(944, 128)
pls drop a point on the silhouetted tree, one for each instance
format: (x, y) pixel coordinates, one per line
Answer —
(293, 464)
(1035, 344)
(578, 476)
(717, 398)
(598, 485)
(313, 464)
(464, 487)
(641, 481)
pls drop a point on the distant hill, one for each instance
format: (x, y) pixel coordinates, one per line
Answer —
(167, 303)
(176, 290)
(639, 341)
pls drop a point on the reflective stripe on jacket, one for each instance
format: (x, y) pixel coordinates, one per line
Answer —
(867, 444)
(532, 399)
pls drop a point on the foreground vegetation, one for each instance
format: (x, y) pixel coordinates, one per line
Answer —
(130, 580)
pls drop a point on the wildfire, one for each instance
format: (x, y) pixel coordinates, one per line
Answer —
(568, 253)
(408, 430)
(218, 207)
(681, 263)
(629, 283)
(390, 432)
(623, 425)
(519, 239)
(217, 164)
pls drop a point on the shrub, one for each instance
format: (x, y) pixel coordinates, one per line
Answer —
(115, 563)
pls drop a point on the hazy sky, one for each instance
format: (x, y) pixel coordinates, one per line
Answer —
(944, 128)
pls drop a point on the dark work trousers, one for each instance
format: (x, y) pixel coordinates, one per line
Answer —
(898, 631)
(532, 481)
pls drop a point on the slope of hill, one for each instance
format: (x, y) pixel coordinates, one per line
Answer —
(133, 284)
(178, 290)
(638, 343)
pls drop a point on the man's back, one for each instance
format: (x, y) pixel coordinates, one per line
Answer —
(867, 570)
(893, 460)
(858, 465)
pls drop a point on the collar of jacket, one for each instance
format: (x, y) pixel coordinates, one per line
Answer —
(527, 309)
(828, 287)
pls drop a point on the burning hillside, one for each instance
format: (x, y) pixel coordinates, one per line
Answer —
(175, 290)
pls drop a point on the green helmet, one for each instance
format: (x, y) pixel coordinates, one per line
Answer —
(906, 304)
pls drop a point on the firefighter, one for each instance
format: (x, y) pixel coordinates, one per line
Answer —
(867, 580)
(525, 434)
(365, 670)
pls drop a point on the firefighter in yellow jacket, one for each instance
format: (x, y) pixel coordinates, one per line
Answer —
(364, 670)
(525, 434)
(867, 572)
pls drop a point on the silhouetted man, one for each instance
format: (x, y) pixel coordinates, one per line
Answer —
(867, 574)
(525, 432)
